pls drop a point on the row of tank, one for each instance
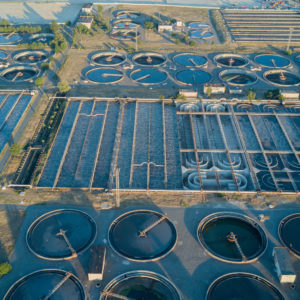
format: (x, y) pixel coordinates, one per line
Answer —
(15, 38)
(126, 23)
(235, 74)
(21, 65)
(145, 235)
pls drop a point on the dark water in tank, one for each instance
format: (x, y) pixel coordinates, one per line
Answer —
(104, 75)
(236, 78)
(215, 237)
(190, 60)
(43, 238)
(37, 286)
(126, 25)
(109, 59)
(242, 286)
(31, 58)
(9, 39)
(231, 61)
(124, 236)
(193, 76)
(289, 78)
(290, 233)
(267, 60)
(3, 55)
(149, 76)
(23, 74)
(149, 60)
(146, 288)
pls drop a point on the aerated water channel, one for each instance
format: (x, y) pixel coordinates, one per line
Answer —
(232, 237)
(132, 236)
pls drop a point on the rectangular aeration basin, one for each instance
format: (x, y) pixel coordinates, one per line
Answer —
(284, 267)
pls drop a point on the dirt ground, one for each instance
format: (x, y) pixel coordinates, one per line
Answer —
(100, 199)
(10, 223)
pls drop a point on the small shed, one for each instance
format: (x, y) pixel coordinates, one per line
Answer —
(188, 93)
(87, 8)
(290, 94)
(283, 264)
(163, 27)
(97, 263)
(86, 21)
(216, 88)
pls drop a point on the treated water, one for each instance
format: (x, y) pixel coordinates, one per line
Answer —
(149, 76)
(104, 75)
(124, 236)
(215, 236)
(238, 79)
(193, 77)
(43, 236)
(231, 61)
(243, 286)
(190, 60)
(149, 60)
(288, 79)
(269, 60)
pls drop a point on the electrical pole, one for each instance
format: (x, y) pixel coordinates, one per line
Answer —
(136, 37)
(290, 38)
(117, 187)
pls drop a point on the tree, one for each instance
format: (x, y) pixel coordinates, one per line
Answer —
(63, 87)
(39, 81)
(5, 268)
(4, 22)
(149, 25)
(209, 91)
(15, 149)
(54, 27)
(192, 43)
(251, 95)
(68, 23)
(44, 66)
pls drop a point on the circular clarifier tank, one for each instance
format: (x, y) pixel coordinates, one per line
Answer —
(30, 56)
(127, 14)
(19, 73)
(125, 24)
(124, 34)
(289, 233)
(282, 78)
(43, 283)
(191, 77)
(104, 75)
(142, 235)
(231, 60)
(108, 58)
(198, 25)
(7, 39)
(60, 234)
(242, 286)
(232, 237)
(149, 59)
(141, 285)
(201, 34)
(41, 38)
(272, 61)
(238, 77)
(190, 60)
(149, 76)
(3, 55)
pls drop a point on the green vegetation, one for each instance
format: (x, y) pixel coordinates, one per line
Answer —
(289, 52)
(192, 43)
(5, 27)
(15, 149)
(5, 268)
(39, 81)
(274, 95)
(33, 45)
(59, 43)
(180, 97)
(220, 27)
(44, 66)
(209, 91)
(63, 87)
(149, 25)
(251, 95)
